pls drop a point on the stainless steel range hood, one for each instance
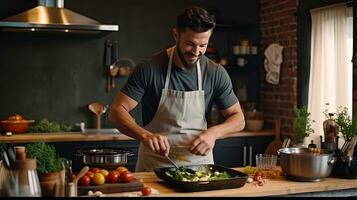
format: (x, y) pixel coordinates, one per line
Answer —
(51, 16)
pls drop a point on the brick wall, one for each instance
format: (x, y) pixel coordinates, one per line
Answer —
(279, 25)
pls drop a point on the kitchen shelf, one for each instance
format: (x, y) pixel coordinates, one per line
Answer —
(224, 38)
(83, 137)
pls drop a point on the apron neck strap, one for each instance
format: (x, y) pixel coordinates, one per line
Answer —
(169, 67)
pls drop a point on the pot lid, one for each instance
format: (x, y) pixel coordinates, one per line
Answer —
(103, 151)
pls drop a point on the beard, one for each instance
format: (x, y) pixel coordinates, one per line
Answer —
(188, 65)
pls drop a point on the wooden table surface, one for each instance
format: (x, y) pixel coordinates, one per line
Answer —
(83, 137)
(280, 186)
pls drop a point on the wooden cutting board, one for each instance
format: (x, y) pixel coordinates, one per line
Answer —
(106, 188)
(276, 144)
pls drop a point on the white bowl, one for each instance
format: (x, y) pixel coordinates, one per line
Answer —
(254, 124)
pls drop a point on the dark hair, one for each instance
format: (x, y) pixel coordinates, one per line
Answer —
(195, 18)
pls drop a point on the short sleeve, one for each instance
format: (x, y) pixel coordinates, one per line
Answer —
(138, 82)
(224, 94)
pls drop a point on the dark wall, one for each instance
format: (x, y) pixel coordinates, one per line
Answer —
(57, 76)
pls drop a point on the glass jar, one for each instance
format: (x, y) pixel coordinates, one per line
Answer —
(24, 181)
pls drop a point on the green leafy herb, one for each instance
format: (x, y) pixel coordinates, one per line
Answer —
(46, 157)
(45, 126)
(348, 126)
(199, 175)
(302, 124)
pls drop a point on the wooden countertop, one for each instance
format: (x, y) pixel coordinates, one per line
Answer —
(83, 137)
(281, 186)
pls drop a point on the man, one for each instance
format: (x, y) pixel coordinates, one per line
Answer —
(177, 87)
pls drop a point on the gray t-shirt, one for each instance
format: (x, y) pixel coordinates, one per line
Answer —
(148, 79)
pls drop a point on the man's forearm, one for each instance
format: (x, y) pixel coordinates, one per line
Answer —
(122, 120)
(232, 124)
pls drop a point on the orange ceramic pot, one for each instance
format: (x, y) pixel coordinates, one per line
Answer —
(18, 126)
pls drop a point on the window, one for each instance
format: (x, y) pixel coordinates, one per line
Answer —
(331, 67)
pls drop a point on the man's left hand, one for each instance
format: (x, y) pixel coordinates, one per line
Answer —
(202, 144)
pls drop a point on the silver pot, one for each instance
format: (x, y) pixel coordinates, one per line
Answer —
(105, 157)
(303, 164)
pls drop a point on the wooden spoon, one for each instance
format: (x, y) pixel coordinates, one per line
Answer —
(81, 173)
(98, 109)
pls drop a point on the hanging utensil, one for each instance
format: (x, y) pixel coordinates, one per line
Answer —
(108, 62)
(113, 69)
(98, 109)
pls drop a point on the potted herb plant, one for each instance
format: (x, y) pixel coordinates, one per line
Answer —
(302, 125)
(348, 126)
(49, 167)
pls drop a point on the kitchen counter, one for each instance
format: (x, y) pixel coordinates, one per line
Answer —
(97, 136)
(274, 187)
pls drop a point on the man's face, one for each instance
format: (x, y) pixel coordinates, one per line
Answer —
(191, 46)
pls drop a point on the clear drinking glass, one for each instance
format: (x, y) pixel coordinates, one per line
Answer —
(265, 161)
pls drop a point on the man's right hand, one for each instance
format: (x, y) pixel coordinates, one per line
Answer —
(157, 143)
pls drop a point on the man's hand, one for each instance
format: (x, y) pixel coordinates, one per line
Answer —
(157, 143)
(203, 143)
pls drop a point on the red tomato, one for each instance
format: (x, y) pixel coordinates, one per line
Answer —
(146, 191)
(95, 169)
(112, 177)
(90, 174)
(126, 177)
(258, 173)
(84, 180)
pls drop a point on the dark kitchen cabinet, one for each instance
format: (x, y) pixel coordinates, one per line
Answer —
(239, 151)
(229, 152)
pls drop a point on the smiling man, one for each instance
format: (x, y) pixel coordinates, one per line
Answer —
(177, 87)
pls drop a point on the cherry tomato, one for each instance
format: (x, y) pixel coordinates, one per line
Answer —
(121, 169)
(146, 191)
(84, 180)
(258, 173)
(90, 174)
(95, 170)
(112, 177)
(126, 177)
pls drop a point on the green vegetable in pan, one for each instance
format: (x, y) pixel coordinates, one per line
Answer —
(199, 175)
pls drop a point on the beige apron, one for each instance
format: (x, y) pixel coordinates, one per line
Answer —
(181, 117)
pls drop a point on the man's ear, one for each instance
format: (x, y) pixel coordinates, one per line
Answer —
(175, 34)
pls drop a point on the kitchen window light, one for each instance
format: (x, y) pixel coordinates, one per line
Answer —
(331, 66)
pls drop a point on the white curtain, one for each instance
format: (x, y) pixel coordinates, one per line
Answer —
(331, 67)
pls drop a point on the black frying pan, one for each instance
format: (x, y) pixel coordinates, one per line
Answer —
(238, 179)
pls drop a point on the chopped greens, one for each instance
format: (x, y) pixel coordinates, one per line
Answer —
(199, 175)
